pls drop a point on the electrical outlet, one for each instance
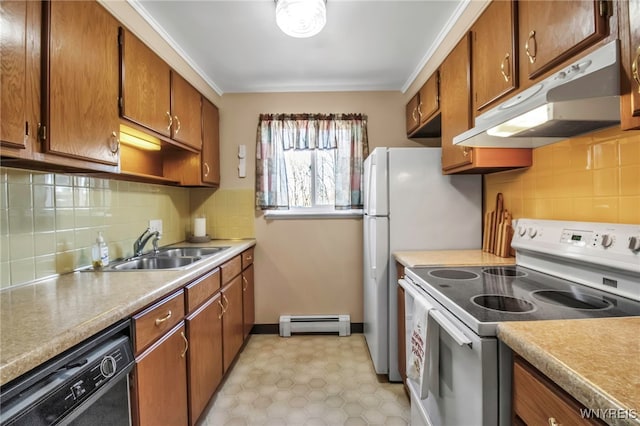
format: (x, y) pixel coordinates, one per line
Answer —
(155, 225)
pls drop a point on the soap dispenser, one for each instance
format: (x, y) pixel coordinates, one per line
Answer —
(100, 253)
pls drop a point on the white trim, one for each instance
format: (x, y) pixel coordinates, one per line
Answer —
(309, 213)
(137, 6)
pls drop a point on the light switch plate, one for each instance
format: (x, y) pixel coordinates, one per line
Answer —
(155, 225)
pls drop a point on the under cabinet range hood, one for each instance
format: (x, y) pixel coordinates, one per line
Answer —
(581, 98)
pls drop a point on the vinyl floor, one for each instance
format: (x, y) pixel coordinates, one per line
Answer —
(306, 380)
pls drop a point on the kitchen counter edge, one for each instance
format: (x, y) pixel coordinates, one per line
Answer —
(555, 348)
(450, 258)
(30, 337)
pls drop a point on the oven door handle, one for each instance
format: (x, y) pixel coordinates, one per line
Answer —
(453, 331)
(438, 316)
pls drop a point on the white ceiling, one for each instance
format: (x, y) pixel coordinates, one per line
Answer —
(366, 45)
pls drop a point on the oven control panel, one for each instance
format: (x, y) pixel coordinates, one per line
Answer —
(611, 244)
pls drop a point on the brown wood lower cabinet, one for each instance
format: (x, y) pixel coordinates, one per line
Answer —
(248, 300)
(232, 332)
(204, 329)
(160, 381)
(539, 401)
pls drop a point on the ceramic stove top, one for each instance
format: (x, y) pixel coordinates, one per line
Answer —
(483, 296)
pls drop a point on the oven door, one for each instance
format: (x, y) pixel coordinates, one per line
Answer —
(461, 367)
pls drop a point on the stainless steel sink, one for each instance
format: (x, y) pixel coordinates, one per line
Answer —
(166, 258)
(154, 262)
(190, 251)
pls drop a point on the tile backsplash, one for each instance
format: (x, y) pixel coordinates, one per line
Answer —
(230, 213)
(594, 178)
(49, 221)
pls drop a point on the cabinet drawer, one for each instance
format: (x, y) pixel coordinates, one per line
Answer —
(156, 320)
(247, 258)
(537, 400)
(202, 289)
(230, 269)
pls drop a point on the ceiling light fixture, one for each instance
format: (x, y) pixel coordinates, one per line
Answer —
(301, 18)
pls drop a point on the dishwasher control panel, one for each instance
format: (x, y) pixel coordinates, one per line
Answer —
(68, 386)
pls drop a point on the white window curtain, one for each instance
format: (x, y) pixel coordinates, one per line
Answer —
(346, 133)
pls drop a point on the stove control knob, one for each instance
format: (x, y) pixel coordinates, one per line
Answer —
(607, 240)
(522, 230)
(634, 244)
(533, 232)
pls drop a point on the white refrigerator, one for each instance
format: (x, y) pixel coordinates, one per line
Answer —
(409, 205)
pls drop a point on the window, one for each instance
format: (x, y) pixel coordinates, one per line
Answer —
(310, 163)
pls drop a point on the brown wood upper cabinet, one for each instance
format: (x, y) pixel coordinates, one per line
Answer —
(422, 111)
(455, 107)
(494, 59)
(552, 32)
(155, 97)
(210, 165)
(145, 91)
(630, 49)
(17, 114)
(186, 111)
(80, 115)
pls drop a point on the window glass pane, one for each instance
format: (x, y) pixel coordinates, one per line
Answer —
(325, 184)
(298, 163)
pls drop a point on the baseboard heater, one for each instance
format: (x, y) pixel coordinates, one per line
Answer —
(340, 324)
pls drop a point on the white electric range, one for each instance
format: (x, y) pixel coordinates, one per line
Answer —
(564, 270)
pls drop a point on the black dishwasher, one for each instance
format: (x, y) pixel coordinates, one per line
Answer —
(86, 385)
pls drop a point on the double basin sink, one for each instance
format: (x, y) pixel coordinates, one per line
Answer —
(165, 258)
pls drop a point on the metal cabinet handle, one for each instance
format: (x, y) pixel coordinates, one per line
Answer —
(531, 56)
(503, 68)
(222, 310)
(170, 121)
(634, 68)
(413, 114)
(420, 109)
(244, 288)
(553, 422)
(163, 319)
(207, 169)
(175, 117)
(465, 151)
(226, 302)
(114, 146)
(186, 345)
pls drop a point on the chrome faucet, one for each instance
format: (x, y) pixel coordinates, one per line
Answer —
(142, 240)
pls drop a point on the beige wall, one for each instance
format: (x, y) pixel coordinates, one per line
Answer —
(310, 266)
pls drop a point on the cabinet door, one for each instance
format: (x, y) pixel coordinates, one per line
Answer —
(630, 48)
(232, 332)
(248, 301)
(204, 331)
(429, 99)
(539, 401)
(210, 143)
(186, 112)
(160, 381)
(455, 106)
(13, 78)
(494, 59)
(82, 81)
(145, 86)
(552, 32)
(413, 121)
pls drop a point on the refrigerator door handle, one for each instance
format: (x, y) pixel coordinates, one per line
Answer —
(372, 247)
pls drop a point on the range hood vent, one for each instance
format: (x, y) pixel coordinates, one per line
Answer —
(581, 98)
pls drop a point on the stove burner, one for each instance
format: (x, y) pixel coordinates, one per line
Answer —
(504, 271)
(568, 299)
(497, 302)
(453, 274)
